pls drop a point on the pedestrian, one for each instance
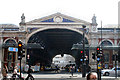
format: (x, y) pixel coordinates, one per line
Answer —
(56, 68)
(91, 76)
(71, 69)
(36, 68)
(89, 68)
(4, 73)
(15, 74)
(26, 67)
(6, 68)
(29, 74)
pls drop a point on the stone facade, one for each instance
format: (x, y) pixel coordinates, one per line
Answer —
(10, 35)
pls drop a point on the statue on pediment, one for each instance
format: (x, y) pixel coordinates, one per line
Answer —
(22, 23)
(94, 19)
(23, 18)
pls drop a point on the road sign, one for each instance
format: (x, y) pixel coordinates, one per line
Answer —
(99, 66)
(13, 49)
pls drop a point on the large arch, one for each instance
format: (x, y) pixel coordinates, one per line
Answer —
(58, 27)
(55, 41)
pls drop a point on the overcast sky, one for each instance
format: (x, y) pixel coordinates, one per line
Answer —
(105, 10)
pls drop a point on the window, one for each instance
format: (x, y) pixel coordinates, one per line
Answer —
(106, 57)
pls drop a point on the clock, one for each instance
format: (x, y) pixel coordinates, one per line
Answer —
(94, 28)
(58, 19)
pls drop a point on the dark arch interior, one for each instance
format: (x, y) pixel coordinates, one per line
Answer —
(54, 42)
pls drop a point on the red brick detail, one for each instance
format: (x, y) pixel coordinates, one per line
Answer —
(4, 38)
(112, 40)
(118, 41)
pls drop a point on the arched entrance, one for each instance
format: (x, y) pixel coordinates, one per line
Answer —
(9, 56)
(107, 58)
(53, 42)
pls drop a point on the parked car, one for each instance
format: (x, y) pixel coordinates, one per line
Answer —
(110, 72)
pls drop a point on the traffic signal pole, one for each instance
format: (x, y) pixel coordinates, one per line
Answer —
(84, 62)
(98, 71)
(99, 56)
(115, 65)
(20, 69)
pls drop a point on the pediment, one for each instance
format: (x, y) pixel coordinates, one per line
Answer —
(57, 18)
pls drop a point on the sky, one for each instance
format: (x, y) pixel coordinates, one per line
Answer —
(105, 10)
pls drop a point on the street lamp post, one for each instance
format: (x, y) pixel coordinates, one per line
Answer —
(84, 62)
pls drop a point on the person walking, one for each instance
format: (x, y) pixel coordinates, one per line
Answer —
(71, 67)
(26, 67)
(4, 73)
(15, 74)
(57, 68)
(29, 77)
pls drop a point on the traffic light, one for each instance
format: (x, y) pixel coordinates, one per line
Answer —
(93, 56)
(81, 55)
(99, 51)
(81, 52)
(19, 50)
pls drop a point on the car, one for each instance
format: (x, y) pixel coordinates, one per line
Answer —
(110, 72)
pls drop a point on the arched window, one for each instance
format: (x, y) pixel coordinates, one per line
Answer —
(106, 52)
(10, 41)
(9, 56)
(106, 43)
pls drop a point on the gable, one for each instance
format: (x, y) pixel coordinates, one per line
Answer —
(57, 18)
(52, 20)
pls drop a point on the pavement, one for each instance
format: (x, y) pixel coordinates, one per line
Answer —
(60, 76)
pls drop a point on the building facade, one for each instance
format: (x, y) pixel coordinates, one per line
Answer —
(46, 37)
